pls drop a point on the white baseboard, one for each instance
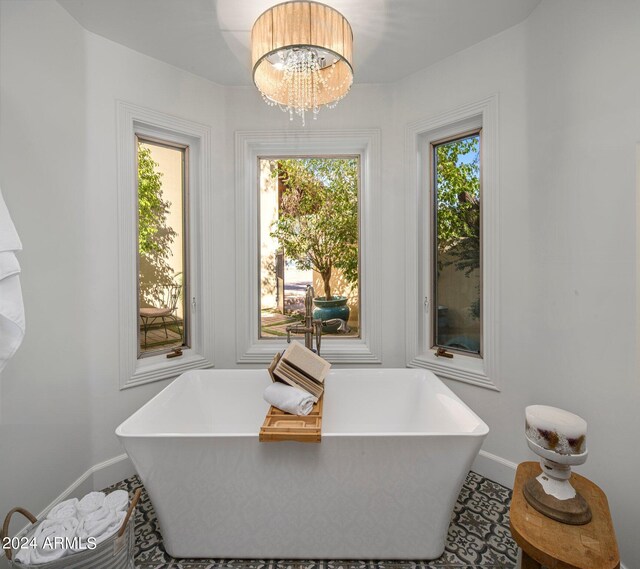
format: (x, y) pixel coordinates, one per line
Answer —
(97, 477)
(111, 471)
(495, 468)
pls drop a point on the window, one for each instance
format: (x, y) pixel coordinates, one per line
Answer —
(456, 275)
(259, 158)
(162, 246)
(165, 271)
(452, 257)
(309, 233)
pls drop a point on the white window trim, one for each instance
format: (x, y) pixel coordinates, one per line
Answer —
(482, 371)
(133, 119)
(249, 147)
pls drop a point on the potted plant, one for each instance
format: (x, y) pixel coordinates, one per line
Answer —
(317, 226)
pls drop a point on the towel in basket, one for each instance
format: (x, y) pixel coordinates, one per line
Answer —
(115, 552)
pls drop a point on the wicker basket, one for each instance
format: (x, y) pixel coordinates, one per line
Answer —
(115, 552)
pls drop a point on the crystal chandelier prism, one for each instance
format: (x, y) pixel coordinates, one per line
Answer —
(301, 54)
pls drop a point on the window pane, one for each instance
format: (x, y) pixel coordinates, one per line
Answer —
(161, 246)
(309, 231)
(457, 244)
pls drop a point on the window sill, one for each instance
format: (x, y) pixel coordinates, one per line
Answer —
(334, 351)
(156, 368)
(460, 368)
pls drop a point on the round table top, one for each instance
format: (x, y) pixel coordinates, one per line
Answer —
(558, 545)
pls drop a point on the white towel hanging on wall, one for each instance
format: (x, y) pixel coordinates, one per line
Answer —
(12, 323)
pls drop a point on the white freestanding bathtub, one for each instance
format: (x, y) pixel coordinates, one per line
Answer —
(396, 447)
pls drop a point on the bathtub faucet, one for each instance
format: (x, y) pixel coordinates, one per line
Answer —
(310, 327)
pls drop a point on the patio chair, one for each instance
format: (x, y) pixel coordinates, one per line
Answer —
(166, 312)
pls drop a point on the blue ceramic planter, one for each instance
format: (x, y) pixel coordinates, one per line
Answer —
(329, 309)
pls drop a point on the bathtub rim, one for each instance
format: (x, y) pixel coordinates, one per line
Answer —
(389, 434)
(482, 430)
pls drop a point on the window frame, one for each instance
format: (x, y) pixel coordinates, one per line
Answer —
(186, 241)
(328, 156)
(481, 370)
(433, 145)
(250, 146)
(136, 121)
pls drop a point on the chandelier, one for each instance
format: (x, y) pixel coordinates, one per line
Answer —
(301, 56)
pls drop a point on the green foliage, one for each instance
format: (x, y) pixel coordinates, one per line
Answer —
(154, 235)
(318, 222)
(458, 199)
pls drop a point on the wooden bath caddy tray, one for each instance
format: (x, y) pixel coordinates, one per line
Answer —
(281, 426)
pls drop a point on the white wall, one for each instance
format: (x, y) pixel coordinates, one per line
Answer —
(59, 395)
(118, 73)
(569, 124)
(584, 115)
(45, 396)
(495, 66)
(569, 120)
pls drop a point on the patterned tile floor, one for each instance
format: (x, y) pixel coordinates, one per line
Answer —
(478, 537)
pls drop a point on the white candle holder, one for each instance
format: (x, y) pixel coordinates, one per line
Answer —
(559, 439)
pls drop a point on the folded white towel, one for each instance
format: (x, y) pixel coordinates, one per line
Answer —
(90, 503)
(9, 265)
(100, 524)
(9, 240)
(118, 501)
(12, 324)
(289, 399)
(64, 510)
(53, 538)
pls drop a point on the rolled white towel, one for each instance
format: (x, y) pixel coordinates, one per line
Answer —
(64, 510)
(90, 503)
(289, 399)
(118, 500)
(100, 525)
(53, 538)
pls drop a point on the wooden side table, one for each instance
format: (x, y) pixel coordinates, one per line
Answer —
(560, 546)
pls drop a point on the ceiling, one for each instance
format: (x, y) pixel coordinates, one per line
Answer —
(392, 38)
